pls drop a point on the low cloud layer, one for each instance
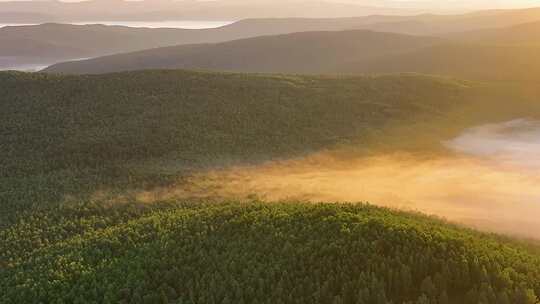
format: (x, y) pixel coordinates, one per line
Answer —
(488, 184)
(515, 143)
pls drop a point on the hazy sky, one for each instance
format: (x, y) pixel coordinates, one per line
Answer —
(393, 3)
(245, 7)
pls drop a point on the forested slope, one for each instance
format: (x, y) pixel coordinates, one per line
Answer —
(76, 134)
(72, 147)
(257, 253)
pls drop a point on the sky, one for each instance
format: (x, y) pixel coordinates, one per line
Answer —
(384, 6)
(415, 3)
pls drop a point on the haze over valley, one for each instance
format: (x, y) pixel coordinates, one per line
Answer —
(306, 151)
(489, 180)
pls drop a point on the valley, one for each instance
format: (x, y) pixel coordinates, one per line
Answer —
(310, 152)
(486, 181)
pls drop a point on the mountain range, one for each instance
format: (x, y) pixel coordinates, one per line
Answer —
(95, 10)
(306, 52)
(52, 43)
(502, 54)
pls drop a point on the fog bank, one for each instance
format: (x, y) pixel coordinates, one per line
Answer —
(491, 183)
(513, 143)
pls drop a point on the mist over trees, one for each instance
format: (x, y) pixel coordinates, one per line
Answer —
(126, 179)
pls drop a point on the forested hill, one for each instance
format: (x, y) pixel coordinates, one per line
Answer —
(71, 135)
(75, 134)
(74, 146)
(257, 253)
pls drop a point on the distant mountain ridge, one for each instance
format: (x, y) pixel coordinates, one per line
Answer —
(467, 61)
(307, 52)
(521, 34)
(337, 52)
(68, 42)
(100, 40)
(151, 10)
(92, 10)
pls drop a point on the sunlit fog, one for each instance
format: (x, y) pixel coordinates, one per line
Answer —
(270, 151)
